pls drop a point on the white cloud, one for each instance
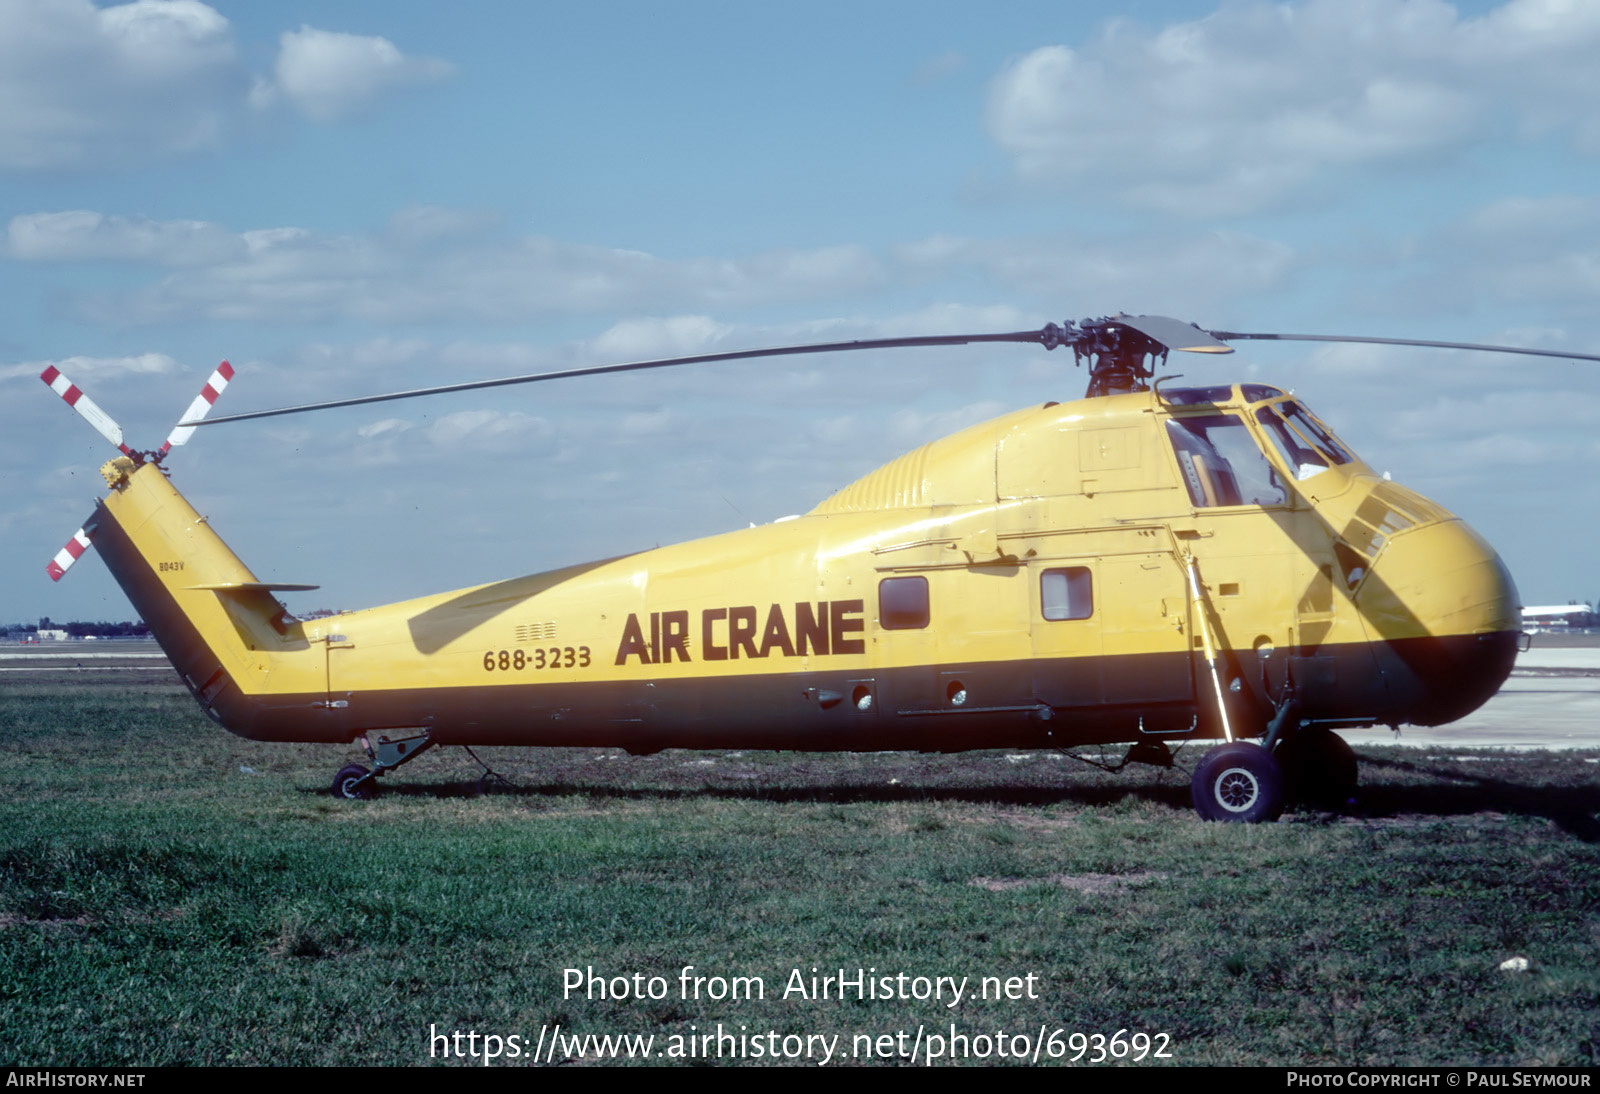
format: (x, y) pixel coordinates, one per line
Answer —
(386, 427)
(1446, 417)
(910, 427)
(79, 368)
(513, 432)
(1537, 252)
(1191, 273)
(654, 424)
(432, 265)
(425, 224)
(645, 338)
(950, 319)
(83, 236)
(375, 354)
(295, 275)
(1256, 103)
(85, 87)
(1542, 220)
(329, 76)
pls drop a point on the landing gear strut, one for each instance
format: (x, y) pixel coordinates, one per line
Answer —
(357, 783)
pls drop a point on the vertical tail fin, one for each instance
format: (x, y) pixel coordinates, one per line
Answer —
(245, 659)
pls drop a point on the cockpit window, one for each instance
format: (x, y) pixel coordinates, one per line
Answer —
(1196, 396)
(1221, 462)
(1302, 419)
(1304, 443)
(1255, 393)
(1301, 459)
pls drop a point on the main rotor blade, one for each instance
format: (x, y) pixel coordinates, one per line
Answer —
(1232, 336)
(1173, 333)
(1049, 336)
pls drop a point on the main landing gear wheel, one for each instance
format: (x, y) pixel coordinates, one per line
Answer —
(1328, 773)
(347, 784)
(1238, 782)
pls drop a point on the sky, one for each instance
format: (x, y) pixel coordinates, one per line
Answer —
(346, 198)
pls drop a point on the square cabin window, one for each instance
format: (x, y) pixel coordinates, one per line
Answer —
(1066, 593)
(903, 603)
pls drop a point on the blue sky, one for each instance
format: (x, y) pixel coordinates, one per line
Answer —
(344, 198)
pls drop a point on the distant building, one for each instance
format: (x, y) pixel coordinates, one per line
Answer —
(1560, 617)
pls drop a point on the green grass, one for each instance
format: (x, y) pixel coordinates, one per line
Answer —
(171, 894)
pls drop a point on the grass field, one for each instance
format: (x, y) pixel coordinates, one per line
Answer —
(171, 894)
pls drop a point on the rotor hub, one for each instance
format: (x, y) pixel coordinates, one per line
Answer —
(1120, 358)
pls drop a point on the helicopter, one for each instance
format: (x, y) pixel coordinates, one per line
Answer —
(1146, 566)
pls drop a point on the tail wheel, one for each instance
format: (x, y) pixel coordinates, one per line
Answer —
(1238, 782)
(347, 784)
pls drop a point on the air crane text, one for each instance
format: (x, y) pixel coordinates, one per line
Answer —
(746, 631)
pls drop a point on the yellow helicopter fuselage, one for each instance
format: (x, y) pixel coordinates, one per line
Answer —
(1054, 576)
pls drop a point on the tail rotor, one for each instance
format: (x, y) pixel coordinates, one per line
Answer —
(198, 409)
(69, 554)
(74, 397)
(108, 428)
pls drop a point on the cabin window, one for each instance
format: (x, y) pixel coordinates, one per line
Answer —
(1353, 565)
(1066, 593)
(1221, 462)
(903, 603)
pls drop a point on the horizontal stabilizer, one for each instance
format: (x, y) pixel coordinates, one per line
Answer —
(254, 586)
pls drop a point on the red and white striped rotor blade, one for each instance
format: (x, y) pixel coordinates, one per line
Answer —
(200, 407)
(77, 400)
(65, 557)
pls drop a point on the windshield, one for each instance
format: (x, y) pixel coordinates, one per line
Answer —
(1304, 443)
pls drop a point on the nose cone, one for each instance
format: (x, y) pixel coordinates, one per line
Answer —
(1442, 611)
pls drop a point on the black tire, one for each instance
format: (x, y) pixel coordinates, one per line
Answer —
(1328, 770)
(344, 784)
(1238, 782)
